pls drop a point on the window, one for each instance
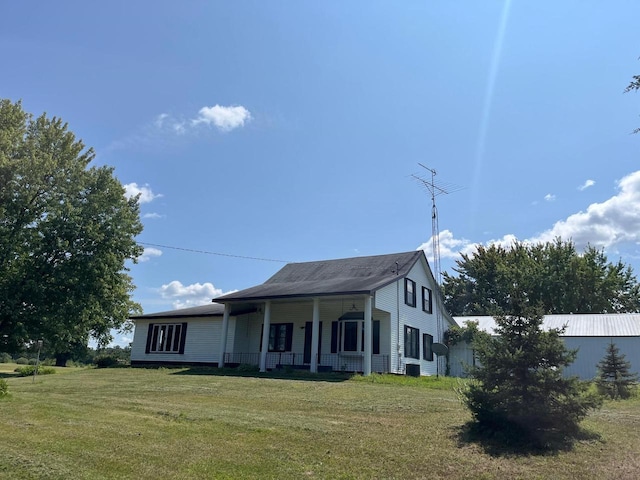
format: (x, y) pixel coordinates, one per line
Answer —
(347, 335)
(427, 300)
(411, 342)
(427, 343)
(166, 338)
(280, 335)
(410, 292)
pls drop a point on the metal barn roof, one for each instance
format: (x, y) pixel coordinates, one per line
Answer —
(577, 325)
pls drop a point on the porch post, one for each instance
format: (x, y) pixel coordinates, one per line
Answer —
(315, 332)
(266, 327)
(223, 337)
(368, 336)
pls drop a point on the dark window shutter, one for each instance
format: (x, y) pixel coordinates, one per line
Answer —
(183, 338)
(334, 337)
(261, 337)
(376, 337)
(289, 337)
(149, 335)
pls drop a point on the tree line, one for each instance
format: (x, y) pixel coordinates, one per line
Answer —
(553, 276)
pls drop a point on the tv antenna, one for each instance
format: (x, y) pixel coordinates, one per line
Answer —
(435, 189)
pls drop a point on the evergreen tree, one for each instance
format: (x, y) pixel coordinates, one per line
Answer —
(615, 379)
(519, 390)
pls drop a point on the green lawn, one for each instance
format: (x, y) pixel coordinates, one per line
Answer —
(172, 423)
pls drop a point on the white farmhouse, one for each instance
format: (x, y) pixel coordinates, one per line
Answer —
(365, 314)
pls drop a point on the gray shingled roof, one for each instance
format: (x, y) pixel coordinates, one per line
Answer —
(347, 276)
(578, 325)
(209, 310)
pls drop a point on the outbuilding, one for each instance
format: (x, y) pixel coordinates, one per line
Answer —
(590, 334)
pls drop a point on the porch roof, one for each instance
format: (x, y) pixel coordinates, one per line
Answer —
(347, 276)
(209, 310)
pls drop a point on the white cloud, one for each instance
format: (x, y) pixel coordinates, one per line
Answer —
(160, 119)
(614, 221)
(587, 184)
(603, 225)
(152, 215)
(166, 130)
(183, 296)
(449, 247)
(146, 195)
(224, 118)
(549, 197)
(148, 253)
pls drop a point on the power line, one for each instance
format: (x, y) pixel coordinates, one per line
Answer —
(213, 253)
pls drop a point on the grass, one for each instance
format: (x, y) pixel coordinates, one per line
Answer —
(185, 423)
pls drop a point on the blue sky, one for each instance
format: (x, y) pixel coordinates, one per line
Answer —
(290, 131)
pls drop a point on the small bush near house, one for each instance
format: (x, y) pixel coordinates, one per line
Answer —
(5, 358)
(4, 388)
(28, 370)
(22, 361)
(105, 361)
(248, 368)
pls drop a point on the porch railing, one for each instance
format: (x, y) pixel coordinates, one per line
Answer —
(326, 362)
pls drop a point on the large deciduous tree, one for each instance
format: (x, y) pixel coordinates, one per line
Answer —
(552, 275)
(66, 230)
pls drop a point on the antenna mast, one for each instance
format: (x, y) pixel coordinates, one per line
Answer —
(435, 190)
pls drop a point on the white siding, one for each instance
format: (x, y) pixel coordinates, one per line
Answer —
(391, 299)
(202, 343)
(460, 356)
(387, 299)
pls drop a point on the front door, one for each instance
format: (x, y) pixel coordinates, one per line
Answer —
(308, 326)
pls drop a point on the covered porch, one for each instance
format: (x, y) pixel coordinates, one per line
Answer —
(318, 334)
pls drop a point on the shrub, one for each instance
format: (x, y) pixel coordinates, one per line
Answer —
(22, 361)
(248, 368)
(5, 358)
(4, 388)
(32, 361)
(28, 370)
(105, 361)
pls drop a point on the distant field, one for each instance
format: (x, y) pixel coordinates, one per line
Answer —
(177, 423)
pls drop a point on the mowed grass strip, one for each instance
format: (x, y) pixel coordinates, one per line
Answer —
(167, 423)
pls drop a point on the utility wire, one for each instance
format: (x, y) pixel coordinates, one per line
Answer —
(214, 253)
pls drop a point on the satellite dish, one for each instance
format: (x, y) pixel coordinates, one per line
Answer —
(439, 349)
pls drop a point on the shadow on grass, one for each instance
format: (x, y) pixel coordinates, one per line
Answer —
(9, 374)
(510, 444)
(276, 374)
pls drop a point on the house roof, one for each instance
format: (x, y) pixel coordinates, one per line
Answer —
(209, 310)
(577, 325)
(347, 276)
